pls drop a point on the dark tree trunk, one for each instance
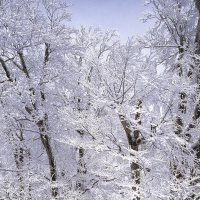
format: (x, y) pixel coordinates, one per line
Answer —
(196, 146)
(46, 143)
(19, 161)
(133, 141)
(81, 169)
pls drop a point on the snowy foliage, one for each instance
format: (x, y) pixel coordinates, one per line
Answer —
(84, 117)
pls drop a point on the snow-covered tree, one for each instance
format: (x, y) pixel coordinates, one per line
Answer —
(86, 117)
(34, 50)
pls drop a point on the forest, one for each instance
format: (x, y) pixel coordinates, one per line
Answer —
(86, 117)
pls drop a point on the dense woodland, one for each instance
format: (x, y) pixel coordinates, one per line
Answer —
(85, 117)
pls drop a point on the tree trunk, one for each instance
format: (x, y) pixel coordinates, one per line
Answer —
(19, 161)
(46, 143)
(43, 128)
(19, 157)
(178, 175)
(133, 141)
(196, 146)
(29, 174)
(81, 169)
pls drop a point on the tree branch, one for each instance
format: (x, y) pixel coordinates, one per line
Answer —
(5, 69)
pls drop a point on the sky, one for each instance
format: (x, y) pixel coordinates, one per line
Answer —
(122, 15)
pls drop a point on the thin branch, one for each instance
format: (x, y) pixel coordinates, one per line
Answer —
(11, 170)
